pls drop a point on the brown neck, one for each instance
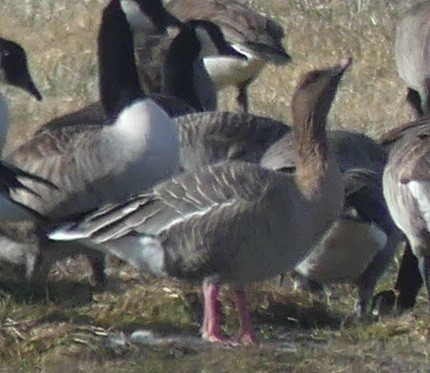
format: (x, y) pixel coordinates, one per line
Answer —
(311, 149)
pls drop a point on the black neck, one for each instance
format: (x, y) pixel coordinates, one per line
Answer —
(178, 69)
(119, 81)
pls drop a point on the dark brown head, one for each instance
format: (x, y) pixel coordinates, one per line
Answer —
(315, 92)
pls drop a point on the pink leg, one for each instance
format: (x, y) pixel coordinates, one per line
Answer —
(211, 330)
(246, 333)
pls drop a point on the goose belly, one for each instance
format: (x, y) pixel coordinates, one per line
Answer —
(344, 252)
(226, 71)
(243, 248)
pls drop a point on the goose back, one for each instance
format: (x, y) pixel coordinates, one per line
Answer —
(213, 137)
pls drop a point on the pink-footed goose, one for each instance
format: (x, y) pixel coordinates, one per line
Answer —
(134, 148)
(211, 137)
(258, 37)
(233, 222)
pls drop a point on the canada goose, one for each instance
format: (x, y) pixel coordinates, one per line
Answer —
(234, 222)
(193, 78)
(179, 85)
(405, 185)
(13, 71)
(252, 34)
(412, 59)
(93, 164)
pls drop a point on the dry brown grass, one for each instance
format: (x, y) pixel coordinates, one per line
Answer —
(65, 328)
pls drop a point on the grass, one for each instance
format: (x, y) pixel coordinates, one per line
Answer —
(69, 327)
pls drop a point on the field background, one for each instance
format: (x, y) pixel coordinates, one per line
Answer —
(69, 328)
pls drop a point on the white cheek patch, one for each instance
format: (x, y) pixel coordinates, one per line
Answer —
(245, 51)
(207, 46)
(420, 190)
(135, 17)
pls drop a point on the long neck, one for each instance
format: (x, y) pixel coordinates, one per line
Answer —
(311, 148)
(178, 70)
(119, 81)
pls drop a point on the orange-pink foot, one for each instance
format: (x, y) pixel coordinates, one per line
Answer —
(218, 338)
(248, 339)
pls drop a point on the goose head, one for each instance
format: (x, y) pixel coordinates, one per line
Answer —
(148, 15)
(14, 68)
(212, 40)
(315, 92)
(184, 73)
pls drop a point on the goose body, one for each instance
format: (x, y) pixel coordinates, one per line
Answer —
(364, 231)
(406, 188)
(363, 234)
(412, 61)
(412, 56)
(409, 279)
(336, 258)
(233, 222)
(95, 164)
(250, 33)
(136, 147)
